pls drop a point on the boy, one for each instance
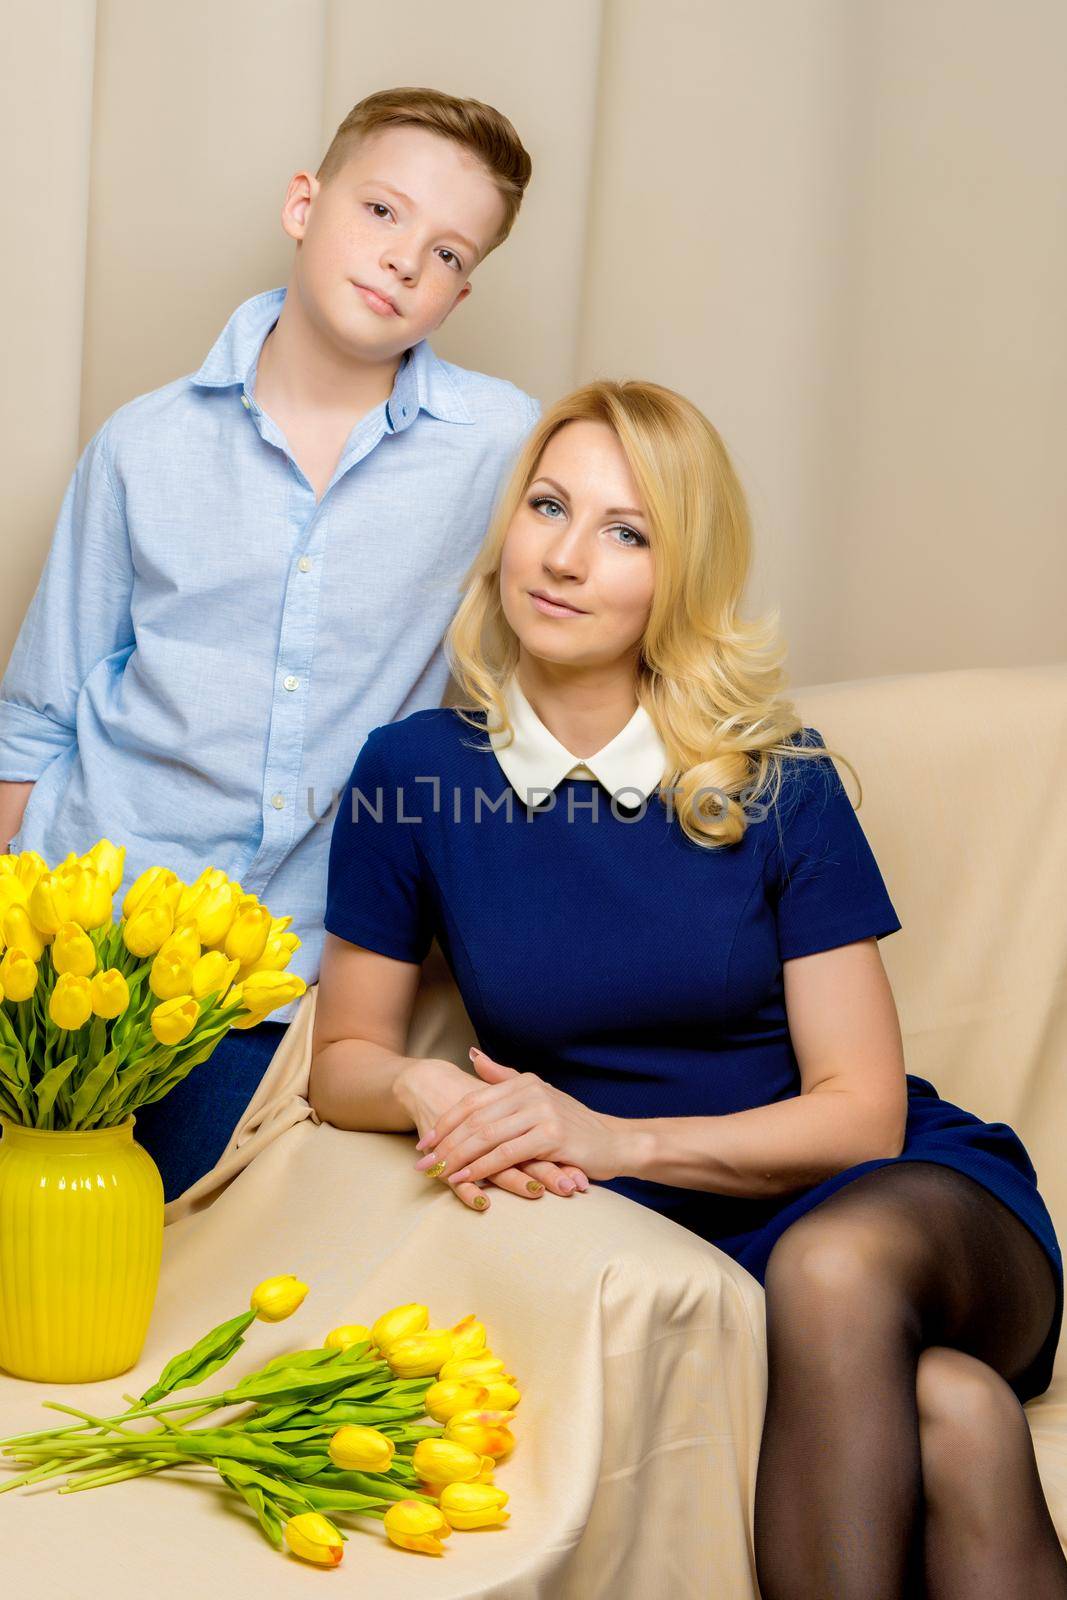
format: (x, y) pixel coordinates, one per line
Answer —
(255, 564)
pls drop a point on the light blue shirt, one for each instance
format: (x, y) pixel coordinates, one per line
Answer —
(207, 648)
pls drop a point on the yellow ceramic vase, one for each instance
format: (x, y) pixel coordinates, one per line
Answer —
(81, 1237)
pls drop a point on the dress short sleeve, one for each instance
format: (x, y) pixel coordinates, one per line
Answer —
(828, 886)
(377, 891)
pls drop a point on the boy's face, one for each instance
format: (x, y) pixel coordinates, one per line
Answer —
(409, 215)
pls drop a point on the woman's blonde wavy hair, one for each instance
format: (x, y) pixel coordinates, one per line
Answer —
(710, 679)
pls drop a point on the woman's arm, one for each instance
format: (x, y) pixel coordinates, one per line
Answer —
(853, 1101)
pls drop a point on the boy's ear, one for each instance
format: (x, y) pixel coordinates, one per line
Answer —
(303, 187)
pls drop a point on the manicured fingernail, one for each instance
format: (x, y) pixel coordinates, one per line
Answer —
(534, 1187)
(566, 1185)
(424, 1161)
(473, 1051)
(582, 1184)
(479, 1202)
(436, 1170)
(458, 1177)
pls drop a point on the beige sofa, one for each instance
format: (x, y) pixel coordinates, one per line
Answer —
(639, 1347)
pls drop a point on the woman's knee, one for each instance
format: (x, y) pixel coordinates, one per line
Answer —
(968, 1416)
(841, 1260)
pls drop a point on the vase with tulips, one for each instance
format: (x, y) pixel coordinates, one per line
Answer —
(99, 1016)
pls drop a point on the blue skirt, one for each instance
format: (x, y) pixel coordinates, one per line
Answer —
(187, 1131)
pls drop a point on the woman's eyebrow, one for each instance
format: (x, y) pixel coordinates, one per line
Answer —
(612, 511)
(380, 183)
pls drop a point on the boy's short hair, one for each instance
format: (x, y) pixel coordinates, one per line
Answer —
(480, 128)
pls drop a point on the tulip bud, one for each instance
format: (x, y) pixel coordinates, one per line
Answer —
(503, 1395)
(449, 1395)
(18, 974)
(444, 1461)
(349, 1333)
(358, 1449)
(12, 893)
(174, 1020)
(213, 912)
(110, 993)
(49, 904)
(19, 931)
(73, 951)
(262, 992)
(71, 1003)
(183, 944)
(145, 931)
(277, 953)
(170, 976)
(473, 1505)
(88, 895)
(213, 974)
(483, 1431)
(468, 1337)
(416, 1525)
(277, 1298)
(420, 1354)
(399, 1323)
(109, 860)
(248, 934)
(313, 1537)
(149, 883)
(482, 1367)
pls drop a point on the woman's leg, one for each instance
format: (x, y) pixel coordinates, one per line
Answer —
(903, 1257)
(988, 1530)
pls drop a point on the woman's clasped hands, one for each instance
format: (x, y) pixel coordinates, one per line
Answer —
(514, 1118)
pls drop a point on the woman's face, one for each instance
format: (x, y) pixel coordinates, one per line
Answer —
(579, 536)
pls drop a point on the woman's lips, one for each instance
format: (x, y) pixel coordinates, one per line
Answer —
(551, 610)
(376, 303)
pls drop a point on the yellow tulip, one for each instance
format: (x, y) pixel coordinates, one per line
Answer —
(263, 992)
(71, 1001)
(212, 912)
(30, 868)
(483, 1431)
(147, 884)
(18, 974)
(444, 1461)
(313, 1537)
(473, 1505)
(277, 1298)
(503, 1395)
(348, 1334)
(484, 1367)
(109, 860)
(88, 895)
(468, 1337)
(248, 934)
(110, 993)
(174, 1020)
(145, 931)
(277, 953)
(12, 893)
(416, 1525)
(213, 974)
(49, 903)
(192, 892)
(20, 932)
(400, 1323)
(449, 1395)
(358, 1449)
(184, 943)
(170, 976)
(73, 951)
(420, 1354)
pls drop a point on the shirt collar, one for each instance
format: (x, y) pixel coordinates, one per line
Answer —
(635, 760)
(422, 382)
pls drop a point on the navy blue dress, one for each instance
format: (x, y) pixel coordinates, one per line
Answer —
(599, 947)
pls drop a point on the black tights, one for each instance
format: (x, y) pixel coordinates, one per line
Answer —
(896, 1461)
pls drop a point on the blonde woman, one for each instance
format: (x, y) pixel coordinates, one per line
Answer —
(663, 918)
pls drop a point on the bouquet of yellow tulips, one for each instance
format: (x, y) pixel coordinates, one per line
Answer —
(332, 1429)
(98, 1017)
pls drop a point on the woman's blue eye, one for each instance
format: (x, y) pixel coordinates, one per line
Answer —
(547, 499)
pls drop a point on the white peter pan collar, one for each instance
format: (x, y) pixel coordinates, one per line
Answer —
(635, 760)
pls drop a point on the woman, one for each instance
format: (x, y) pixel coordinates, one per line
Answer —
(679, 994)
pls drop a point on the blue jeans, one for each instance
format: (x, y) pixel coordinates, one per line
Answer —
(187, 1131)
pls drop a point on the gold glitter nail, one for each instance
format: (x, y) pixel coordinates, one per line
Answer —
(534, 1187)
(480, 1202)
(436, 1170)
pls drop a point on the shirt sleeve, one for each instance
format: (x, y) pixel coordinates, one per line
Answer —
(378, 890)
(828, 886)
(79, 614)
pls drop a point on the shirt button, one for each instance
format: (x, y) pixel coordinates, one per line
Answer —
(277, 801)
(291, 682)
(246, 402)
(304, 563)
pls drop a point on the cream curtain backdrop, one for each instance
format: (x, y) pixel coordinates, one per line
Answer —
(840, 226)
